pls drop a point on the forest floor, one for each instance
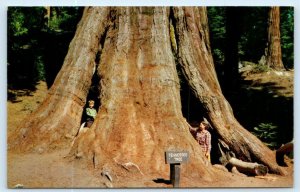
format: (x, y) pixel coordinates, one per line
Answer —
(51, 170)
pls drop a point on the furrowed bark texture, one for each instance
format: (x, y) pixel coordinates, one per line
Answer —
(197, 66)
(60, 113)
(274, 56)
(140, 115)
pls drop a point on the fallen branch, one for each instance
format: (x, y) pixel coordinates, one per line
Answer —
(248, 167)
(282, 151)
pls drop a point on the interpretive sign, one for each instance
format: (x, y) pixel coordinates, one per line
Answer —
(177, 156)
(174, 158)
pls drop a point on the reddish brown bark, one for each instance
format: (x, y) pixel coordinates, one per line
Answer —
(274, 57)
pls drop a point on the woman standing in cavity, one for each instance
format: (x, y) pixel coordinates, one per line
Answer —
(204, 138)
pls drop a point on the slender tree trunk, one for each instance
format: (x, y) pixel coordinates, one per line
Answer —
(274, 57)
(140, 113)
(48, 14)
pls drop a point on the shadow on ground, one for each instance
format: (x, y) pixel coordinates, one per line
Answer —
(161, 180)
(257, 102)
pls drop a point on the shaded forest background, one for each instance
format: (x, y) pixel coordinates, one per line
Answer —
(38, 40)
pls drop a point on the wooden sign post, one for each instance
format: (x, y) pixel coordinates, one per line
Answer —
(175, 158)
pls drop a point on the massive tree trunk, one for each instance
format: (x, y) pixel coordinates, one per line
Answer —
(274, 57)
(140, 116)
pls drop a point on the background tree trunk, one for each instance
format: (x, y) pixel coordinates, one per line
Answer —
(274, 57)
(140, 116)
(48, 14)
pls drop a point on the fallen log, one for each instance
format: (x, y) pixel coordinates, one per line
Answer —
(229, 160)
(235, 171)
(282, 151)
(248, 168)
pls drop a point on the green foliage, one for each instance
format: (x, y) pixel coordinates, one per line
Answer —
(253, 28)
(40, 69)
(23, 20)
(216, 21)
(260, 68)
(268, 133)
(218, 55)
(287, 36)
(24, 25)
(253, 41)
(16, 23)
(30, 34)
(63, 18)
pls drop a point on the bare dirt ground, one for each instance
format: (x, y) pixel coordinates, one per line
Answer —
(52, 170)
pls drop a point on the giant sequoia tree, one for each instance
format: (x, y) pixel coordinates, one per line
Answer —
(134, 53)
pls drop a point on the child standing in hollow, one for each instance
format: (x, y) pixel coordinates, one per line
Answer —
(90, 113)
